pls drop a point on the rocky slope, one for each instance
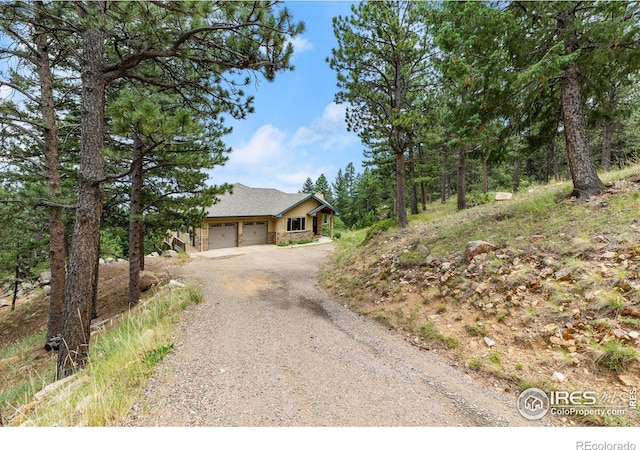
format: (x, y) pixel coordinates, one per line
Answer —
(533, 292)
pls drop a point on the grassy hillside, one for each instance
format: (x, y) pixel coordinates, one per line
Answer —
(124, 350)
(550, 300)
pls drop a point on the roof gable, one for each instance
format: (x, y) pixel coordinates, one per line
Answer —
(244, 201)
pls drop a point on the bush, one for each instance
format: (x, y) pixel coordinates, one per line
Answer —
(617, 356)
(379, 227)
(338, 224)
(112, 244)
(477, 199)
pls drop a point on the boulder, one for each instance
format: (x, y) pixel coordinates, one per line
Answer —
(147, 280)
(475, 248)
(629, 380)
(631, 311)
(501, 196)
(563, 274)
(490, 342)
(45, 278)
(175, 283)
(170, 254)
(557, 376)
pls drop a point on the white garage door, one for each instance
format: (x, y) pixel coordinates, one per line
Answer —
(223, 235)
(254, 233)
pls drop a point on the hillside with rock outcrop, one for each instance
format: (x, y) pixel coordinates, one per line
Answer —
(535, 291)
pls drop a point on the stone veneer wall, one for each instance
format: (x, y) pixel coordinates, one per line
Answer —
(292, 236)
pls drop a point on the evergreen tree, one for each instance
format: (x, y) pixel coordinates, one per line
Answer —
(308, 187)
(322, 186)
(583, 48)
(34, 122)
(170, 146)
(383, 68)
(473, 73)
(341, 200)
(198, 49)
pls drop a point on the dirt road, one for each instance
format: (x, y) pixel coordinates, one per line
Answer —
(268, 347)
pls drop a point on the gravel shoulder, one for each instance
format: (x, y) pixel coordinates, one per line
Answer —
(268, 347)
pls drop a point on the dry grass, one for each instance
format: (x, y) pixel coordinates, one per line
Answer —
(121, 361)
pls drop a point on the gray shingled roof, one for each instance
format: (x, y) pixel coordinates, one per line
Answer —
(247, 201)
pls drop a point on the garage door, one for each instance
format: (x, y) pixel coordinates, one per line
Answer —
(223, 235)
(254, 233)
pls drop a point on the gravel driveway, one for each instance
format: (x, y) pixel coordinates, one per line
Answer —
(268, 347)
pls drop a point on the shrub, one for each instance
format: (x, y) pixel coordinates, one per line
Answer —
(617, 356)
(379, 227)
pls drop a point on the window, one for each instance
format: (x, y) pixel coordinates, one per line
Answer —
(295, 224)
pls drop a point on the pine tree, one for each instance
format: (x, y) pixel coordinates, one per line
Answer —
(198, 49)
(322, 186)
(35, 119)
(308, 187)
(383, 69)
(583, 48)
(170, 147)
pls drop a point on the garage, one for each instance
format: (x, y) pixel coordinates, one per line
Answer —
(254, 233)
(223, 235)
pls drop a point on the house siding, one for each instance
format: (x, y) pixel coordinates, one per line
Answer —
(299, 211)
(283, 236)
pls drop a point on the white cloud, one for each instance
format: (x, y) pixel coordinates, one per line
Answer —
(301, 44)
(5, 91)
(297, 178)
(265, 145)
(283, 159)
(330, 130)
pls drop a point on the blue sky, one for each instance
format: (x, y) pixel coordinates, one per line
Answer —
(296, 131)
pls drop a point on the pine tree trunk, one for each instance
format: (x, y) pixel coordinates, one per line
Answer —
(401, 208)
(141, 240)
(56, 224)
(81, 280)
(607, 137)
(550, 161)
(443, 175)
(16, 282)
(583, 171)
(461, 184)
(412, 184)
(423, 194)
(581, 166)
(94, 294)
(516, 169)
(485, 177)
(135, 223)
